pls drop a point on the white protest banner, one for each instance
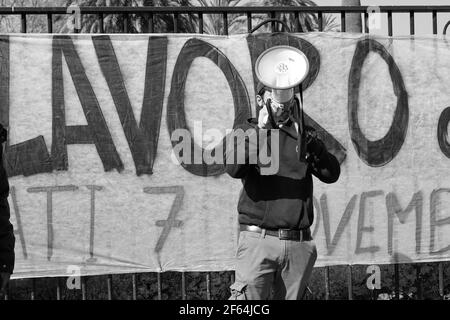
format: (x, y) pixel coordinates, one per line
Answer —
(94, 182)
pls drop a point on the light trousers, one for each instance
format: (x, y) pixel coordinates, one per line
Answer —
(270, 268)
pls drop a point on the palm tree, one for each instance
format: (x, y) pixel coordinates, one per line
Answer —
(35, 23)
(136, 23)
(212, 23)
(308, 21)
(165, 22)
(353, 21)
(237, 23)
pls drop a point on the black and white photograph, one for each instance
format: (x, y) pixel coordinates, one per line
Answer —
(224, 155)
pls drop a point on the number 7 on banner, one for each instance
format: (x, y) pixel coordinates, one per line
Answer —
(171, 220)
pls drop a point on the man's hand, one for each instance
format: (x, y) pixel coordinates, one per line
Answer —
(4, 279)
(263, 118)
(314, 146)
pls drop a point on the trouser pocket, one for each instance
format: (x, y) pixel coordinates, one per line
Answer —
(238, 291)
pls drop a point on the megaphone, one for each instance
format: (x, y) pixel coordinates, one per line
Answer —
(281, 68)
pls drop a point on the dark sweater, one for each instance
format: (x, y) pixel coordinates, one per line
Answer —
(283, 199)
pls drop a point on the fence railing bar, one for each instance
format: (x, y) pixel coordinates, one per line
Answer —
(134, 284)
(390, 23)
(6, 296)
(23, 20)
(208, 286)
(349, 282)
(249, 21)
(320, 16)
(296, 22)
(125, 23)
(158, 276)
(272, 16)
(232, 277)
(24, 11)
(262, 9)
(175, 22)
(8, 291)
(327, 283)
(150, 22)
(83, 288)
(419, 281)
(215, 10)
(58, 288)
(397, 281)
(109, 286)
(412, 29)
(441, 279)
(100, 23)
(33, 289)
(200, 22)
(225, 23)
(366, 22)
(49, 23)
(434, 14)
(183, 285)
(343, 21)
(374, 294)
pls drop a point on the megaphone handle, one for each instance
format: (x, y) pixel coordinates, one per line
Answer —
(301, 127)
(269, 111)
(300, 89)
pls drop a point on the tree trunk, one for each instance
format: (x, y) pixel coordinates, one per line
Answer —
(353, 21)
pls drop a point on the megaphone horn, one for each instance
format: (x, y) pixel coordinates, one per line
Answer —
(281, 68)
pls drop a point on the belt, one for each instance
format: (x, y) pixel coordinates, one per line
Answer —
(282, 234)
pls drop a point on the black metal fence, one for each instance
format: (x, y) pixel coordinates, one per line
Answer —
(336, 282)
(225, 12)
(204, 280)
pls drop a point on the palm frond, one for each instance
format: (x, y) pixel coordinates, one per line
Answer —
(189, 23)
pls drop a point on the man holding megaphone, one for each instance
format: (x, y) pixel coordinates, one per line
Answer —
(276, 253)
